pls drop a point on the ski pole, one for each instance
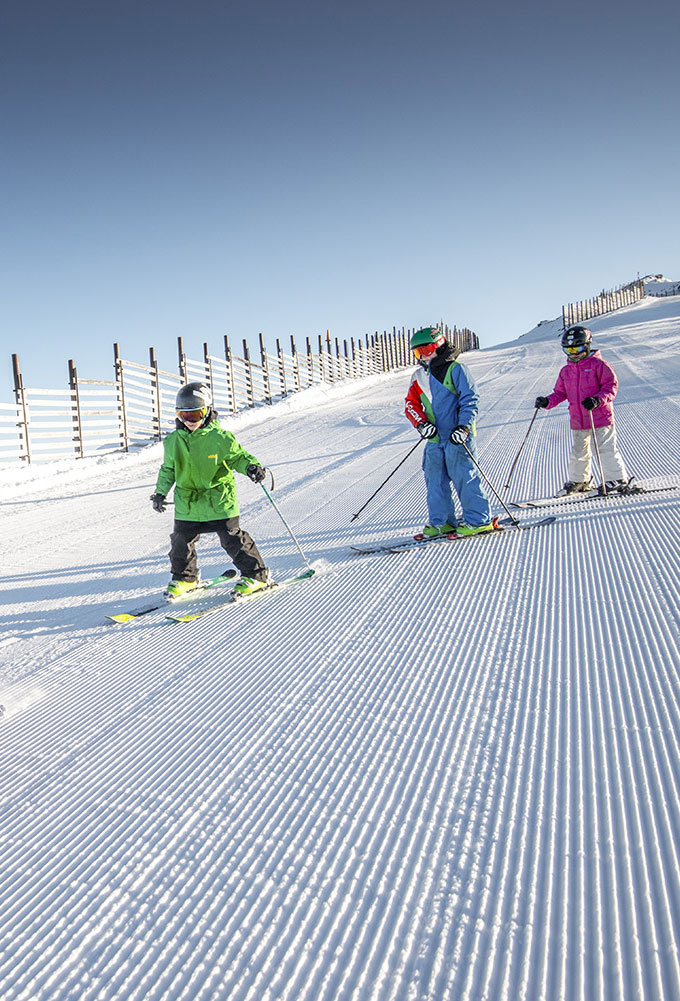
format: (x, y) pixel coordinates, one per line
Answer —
(385, 480)
(482, 473)
(288, 528)
(597, 452)
(512, 467)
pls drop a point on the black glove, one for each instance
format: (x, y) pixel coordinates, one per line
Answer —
(426, 430)
(459, 434)
(541, 402)
(158, 501)
(591, 402)
(255, 473)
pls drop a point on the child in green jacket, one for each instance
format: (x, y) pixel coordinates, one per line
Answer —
(199, 458)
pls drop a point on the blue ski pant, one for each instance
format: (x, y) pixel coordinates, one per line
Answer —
(444, 465)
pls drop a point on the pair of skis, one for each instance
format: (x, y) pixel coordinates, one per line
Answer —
(235, 597)
(209, 584)
(577, 498)
(420, 541)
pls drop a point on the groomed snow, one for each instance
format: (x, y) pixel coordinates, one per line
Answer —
(445, 774)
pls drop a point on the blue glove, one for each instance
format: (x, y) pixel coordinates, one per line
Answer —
(459, 435)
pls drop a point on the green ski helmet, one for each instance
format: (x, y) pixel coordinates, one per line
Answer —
(424, 343)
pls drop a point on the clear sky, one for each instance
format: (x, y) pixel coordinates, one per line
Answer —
(201, 168)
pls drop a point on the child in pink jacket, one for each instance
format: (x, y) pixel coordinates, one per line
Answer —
(590, 385)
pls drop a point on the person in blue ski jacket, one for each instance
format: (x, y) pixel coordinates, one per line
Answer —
(442, 404)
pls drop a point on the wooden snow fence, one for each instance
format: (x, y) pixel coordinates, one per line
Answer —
(605, 302)
(136, 407)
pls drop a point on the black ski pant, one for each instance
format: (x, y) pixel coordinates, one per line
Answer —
(238, 544)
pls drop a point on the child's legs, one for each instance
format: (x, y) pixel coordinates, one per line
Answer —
(580, 459)
(613, 467)
(468, 485)
(182, 553)
(440, 507)
(241, 548)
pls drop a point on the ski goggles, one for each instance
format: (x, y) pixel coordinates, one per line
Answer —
(424, 351)
(191, 416)
(577, 349)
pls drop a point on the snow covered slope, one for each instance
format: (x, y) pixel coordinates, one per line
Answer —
(444, 774)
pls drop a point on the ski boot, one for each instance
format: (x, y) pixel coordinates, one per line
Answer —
(248, 585)
(629, 486)
(465, 529)
(575, 488)
(431, 531)
(178, 588)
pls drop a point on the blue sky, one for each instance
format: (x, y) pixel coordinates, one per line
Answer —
(206, 168)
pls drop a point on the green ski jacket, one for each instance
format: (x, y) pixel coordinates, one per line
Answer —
(200, 464)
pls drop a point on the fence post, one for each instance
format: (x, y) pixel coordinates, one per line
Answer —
(310, 362)
(230, 374)
(296, 367)
(20, 396)
(182, 361)
(120, 396)
(282, 368)
(322, 371)
(383, 352)
(265, 372)
(329, 353)
(207, 361)
(155, 395)
(250, 393)
(75, 409)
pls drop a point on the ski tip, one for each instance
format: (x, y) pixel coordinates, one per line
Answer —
(123, 617)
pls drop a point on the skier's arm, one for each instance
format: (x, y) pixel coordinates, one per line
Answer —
(413, 408)
(166, 474)
(468, 397)
(609, 384)
(235, 456)
(559, 393)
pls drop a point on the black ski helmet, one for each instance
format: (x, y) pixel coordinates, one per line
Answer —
(576, 342)
(194, 396)
(576, 337)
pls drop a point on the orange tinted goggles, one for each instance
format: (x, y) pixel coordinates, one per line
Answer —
(192, 415)
(425, 350)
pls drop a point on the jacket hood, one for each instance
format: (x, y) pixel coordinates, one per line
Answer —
(441, 361)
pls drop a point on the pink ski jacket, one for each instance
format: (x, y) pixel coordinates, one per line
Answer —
(590, 376)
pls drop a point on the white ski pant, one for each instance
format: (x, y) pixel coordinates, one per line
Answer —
(580, 461)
